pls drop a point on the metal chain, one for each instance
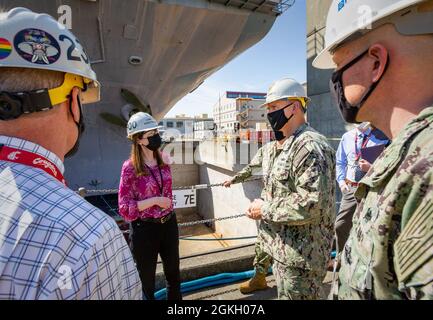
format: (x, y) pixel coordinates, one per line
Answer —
(84, 191)
(199, 186)
(193, 223)
(208, 186)
(99, 191)
(217, 239)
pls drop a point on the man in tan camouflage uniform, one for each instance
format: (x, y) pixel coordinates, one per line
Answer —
(297, 208)
(386, 66)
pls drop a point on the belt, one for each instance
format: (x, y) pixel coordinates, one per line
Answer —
(351, 183)
(161, 220)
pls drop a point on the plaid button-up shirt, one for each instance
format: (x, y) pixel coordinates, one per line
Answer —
(53, 243)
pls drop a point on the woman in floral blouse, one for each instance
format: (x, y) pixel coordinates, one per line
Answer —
(145, 199)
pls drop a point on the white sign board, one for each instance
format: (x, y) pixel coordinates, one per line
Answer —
(184, 198)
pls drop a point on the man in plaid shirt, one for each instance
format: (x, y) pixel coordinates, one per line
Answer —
(53, 244)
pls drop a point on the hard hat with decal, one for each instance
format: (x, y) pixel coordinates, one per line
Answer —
(38, 41)
(141, 122)
(286, 89)
(347, 19)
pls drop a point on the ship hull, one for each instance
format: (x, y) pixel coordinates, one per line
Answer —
(158, 50)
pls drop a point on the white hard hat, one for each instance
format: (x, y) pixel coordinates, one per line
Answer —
(141, 122)
(285, 89)
(349, 18)
(38, 41)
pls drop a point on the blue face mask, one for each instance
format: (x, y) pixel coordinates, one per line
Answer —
(278, 120)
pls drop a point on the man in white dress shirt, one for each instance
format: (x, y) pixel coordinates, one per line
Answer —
(350, 168)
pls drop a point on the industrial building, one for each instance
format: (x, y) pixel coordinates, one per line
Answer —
(227, 111)
(178, 127)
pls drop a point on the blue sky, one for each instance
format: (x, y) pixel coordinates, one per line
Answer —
(282, 53)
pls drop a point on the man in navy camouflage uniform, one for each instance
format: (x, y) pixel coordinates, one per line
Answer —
(384, 75)
(297, 208)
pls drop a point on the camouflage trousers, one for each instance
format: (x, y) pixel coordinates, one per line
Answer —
(262, 261)
(298, 284)
(345, 292)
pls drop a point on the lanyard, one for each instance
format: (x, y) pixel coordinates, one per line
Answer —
(30, 159)
(160, 187)
(363, 145)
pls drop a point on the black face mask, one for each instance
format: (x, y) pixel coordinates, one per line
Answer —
(279, 135)
(154, 142)
(348, 111)
(80, 127)
(278, 120)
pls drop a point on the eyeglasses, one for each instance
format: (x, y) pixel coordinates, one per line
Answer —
(148, 134)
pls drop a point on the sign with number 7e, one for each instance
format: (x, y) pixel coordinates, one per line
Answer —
(184, 198)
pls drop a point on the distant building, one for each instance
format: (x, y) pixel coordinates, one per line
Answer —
(229, 108)
(179, 127)
(204, 129)
(202, 116)
(251, 114)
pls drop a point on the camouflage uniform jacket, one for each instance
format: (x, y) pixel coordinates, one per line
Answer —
(299, 199)
(389, 253)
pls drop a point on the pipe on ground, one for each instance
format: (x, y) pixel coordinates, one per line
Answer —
(211, 281)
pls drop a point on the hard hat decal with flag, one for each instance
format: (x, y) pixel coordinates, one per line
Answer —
(38, 35)
(37, 46)
(41, 42)
(5, 48)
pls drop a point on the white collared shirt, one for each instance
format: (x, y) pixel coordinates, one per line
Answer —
(347, 166)
(53, 243)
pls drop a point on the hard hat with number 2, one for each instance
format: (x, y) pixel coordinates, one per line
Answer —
(38, 41)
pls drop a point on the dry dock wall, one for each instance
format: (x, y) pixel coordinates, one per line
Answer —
(220, 162)
(323, 114)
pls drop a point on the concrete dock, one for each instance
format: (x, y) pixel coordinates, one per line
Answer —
(206, 251)
(231, 291)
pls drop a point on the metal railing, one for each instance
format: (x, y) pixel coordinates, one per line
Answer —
(83, 192)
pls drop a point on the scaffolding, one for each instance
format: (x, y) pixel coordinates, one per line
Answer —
(273, 7)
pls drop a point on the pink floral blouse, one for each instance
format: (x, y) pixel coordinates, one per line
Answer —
(133, 189)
